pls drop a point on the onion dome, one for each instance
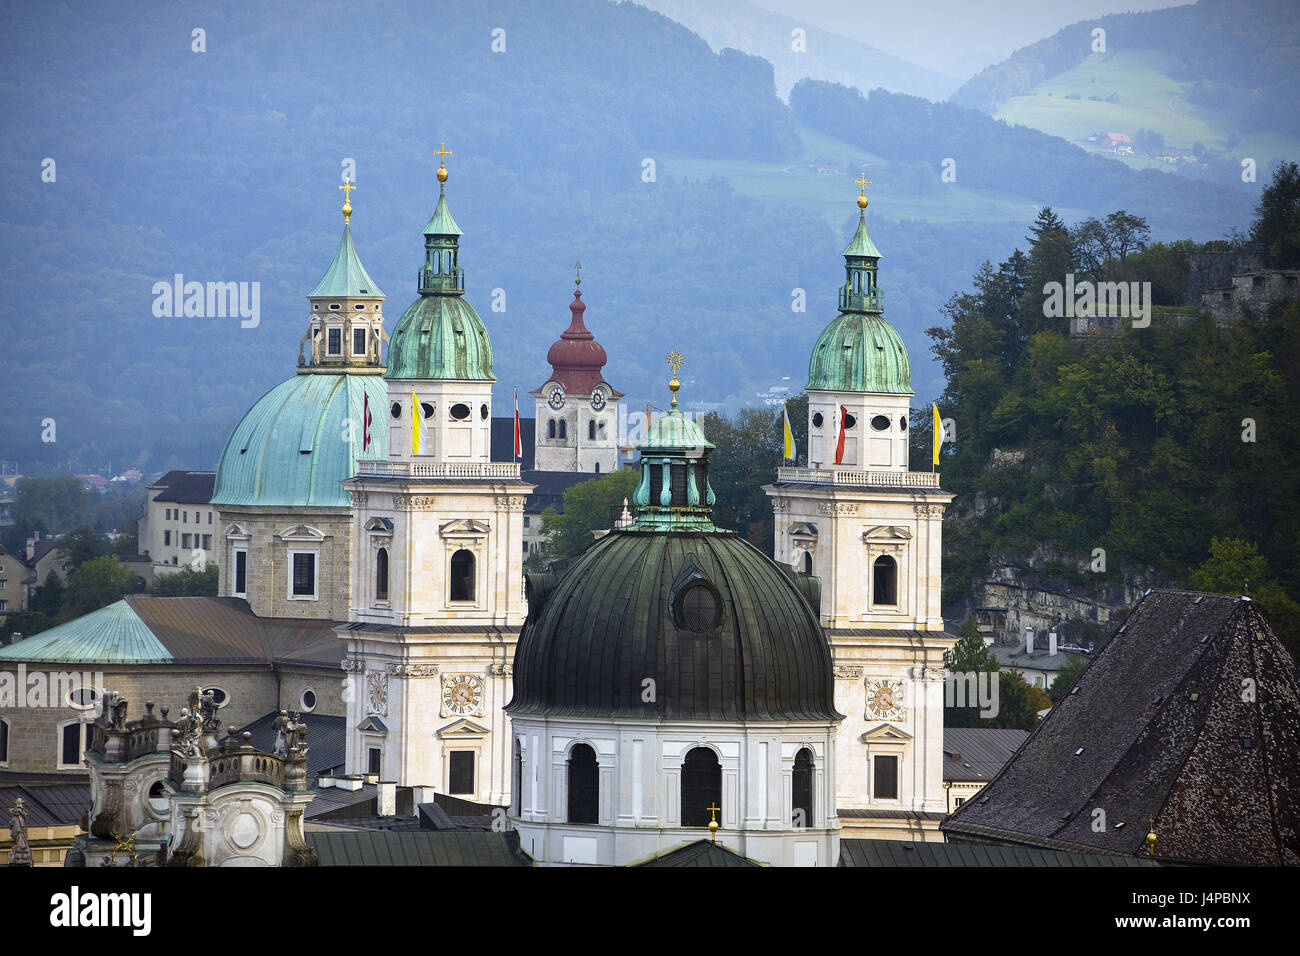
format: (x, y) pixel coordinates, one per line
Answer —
(440, 336)
(859, 351)
(577, 358)
(290, 448)
(724, 632)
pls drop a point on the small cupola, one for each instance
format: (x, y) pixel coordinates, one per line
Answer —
(674, 493)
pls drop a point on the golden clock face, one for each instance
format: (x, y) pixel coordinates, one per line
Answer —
(462, 694)
(556, 399)
(883, 698)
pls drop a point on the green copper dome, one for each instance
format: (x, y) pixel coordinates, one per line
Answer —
(860, 352)
(346, 276)
(292, 447)
(440, 336)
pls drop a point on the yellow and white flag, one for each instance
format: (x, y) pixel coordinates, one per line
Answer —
(938, 434)
(789, 435)
(416, 424)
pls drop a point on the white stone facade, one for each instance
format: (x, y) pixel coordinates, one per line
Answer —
(640, 768)
(581, 434)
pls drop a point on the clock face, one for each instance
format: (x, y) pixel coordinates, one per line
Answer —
(556, 398)
(462, 694)
(598, 398)
(885, 699)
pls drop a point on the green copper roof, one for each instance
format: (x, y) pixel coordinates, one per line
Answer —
(674, 432)
(441, 223)
(292, 448)
(861, 245)
(860, 352)
(346, 275)
(440, 337)
(111, 635)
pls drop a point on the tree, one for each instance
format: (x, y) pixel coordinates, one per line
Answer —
(1018, 702)
(588, 506)
(98, 583)
(50, 505)
(1277, 217)
(25, 623)
(969, 656)
(970, 653)
(1065, 677)
(78, 547)
(47, 598)
(187, 582)
(1237, 567)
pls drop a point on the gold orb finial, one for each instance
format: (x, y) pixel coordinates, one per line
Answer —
(347, 188)
(577, 268)
(676, 361)
(1151, 836)
(442, 152)
(864, 182)
(714, 826)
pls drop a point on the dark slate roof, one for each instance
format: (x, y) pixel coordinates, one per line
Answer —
(326, 740)
(186, 487)
(417, 848)
(503, 440)
(903, 853)
(978, 753)
(606, 625)
(701, 853)
(1163, 731)
(225, 630)
(48, 804)
(1014, 656)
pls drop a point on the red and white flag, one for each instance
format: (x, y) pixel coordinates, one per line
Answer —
(839, 441)
(365, 428)
(518, 446)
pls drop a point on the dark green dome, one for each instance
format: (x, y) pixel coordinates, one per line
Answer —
(860, 352)
(440, 337)
(725, 633)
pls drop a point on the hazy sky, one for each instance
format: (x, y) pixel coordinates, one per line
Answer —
(958, 37)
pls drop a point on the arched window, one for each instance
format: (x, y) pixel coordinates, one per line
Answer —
(598, 468)
(591, 429)
(381, 575)
(584, 785)
(550, 428)
(462, 576)
(701, 787)
(564, 429)
(884, 580)
(517, 780)
(4, 741)
(807, 562)
(802, 795)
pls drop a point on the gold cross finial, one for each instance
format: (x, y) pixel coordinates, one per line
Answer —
(714, 810)
(864, 182)
(676, 361)
(578, 268)
(347, 188)
(441, 152)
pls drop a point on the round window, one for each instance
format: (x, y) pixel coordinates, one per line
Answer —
(460, 411)
(83, 698)
(308, 700)
(396, 410)
(880, 423)
(697, 609)
(158, 801)
(817, 419)
(219, 696)
(902, 424)
(483, 412)
(426, 409)
(849, 420)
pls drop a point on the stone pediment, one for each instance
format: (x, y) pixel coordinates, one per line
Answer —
(885, 734)
(373, 725)
(302, 532)
(803, 529)
(464, 528)
(886, 533)
(463, 728)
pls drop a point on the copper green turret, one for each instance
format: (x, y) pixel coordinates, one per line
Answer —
(859, 351)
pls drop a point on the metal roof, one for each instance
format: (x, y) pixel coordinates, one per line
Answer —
(704, 853)
(860, 352)
(1156, 726)
(326, 740)
(417, 848)
(440, 337)
(879, 853)
(48, 805)
(441, 223)
(861, 244)
(111, 635)
(291, 448)
(977, 753)
(346, 277)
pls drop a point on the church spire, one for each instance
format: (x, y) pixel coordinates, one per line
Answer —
(861, 258)
(441, 273)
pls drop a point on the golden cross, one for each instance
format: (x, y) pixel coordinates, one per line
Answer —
(440, 152)
(862, 181)
(347, 188)
(714, 810)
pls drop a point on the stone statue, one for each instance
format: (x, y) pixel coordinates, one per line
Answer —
(117, 705)
(281, 724)
(208, 712)
(21, 854)
(295, 737)
(376, 340)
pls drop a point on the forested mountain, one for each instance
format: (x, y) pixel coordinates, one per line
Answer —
(223, 165)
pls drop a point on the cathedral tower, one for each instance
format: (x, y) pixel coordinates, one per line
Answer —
(577, 410)
(870, 528)
(438, 533)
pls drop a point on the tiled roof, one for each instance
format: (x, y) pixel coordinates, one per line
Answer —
(417, 848)
(186, 487)
(701, 853)
(1158, 726)
(978, 753)
(142, 629)
(48, 805)
(326, 740)
(878, 853)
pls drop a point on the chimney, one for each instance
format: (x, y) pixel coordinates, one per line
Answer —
(1051, 644)
(387, 798)
(31, 544)
(405, 804)
(1029, 639)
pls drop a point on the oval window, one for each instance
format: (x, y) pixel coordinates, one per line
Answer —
(359, 308)
(396, 410)
(902, 424)
(426, 409)
(483, 412)
(460, 411)
(697, 609)
(308, 700)
(880, 423)
(82, 698)
(849, 420)
(817, 419)
(219, 696)
(334, 306)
